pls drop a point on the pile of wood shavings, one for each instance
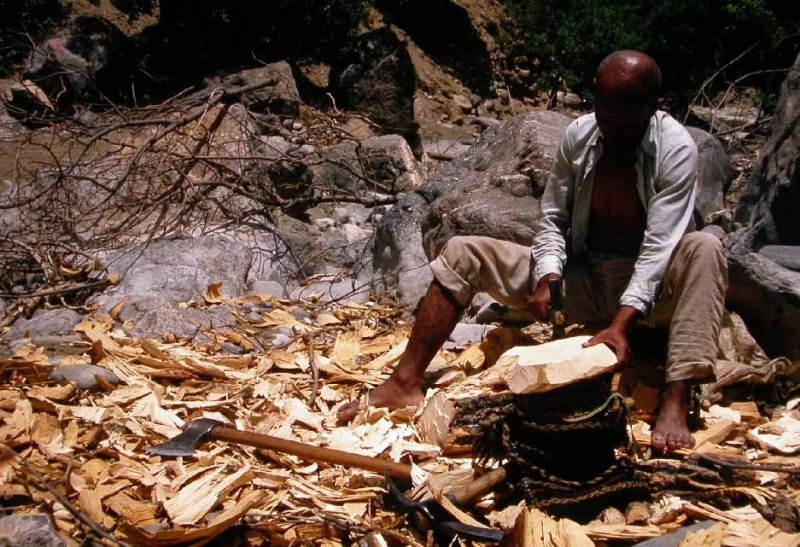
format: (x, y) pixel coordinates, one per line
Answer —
(80, 456)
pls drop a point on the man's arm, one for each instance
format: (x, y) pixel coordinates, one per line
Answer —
(668, 217)
(549, 247)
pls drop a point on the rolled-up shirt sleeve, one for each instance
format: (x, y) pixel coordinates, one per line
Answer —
(549, 248)
(669, 215)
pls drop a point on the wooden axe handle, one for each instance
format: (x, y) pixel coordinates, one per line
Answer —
(478, 487)
(309, 452)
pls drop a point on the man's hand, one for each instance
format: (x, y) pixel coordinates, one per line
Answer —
(539, 302)
(616, 335)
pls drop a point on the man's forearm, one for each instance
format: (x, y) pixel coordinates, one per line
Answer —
(626, 317)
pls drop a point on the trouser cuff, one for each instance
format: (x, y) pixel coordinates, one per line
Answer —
(461, 290)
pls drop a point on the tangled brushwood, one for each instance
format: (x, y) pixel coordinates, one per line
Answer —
(193, 165)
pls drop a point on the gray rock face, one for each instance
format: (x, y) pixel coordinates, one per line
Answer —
(766, 294)
(787, 256)
(44, 323)
(83, 376)
(376, 77)
(176, 270)
(714, 172)
(157, 277)
(771, 201)
(184, 323)
(491, 190)
(280, 98)
(29, 531)
(384, 164)
(398, 259)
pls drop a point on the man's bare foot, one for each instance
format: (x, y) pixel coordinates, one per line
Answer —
(391, 394)
(671, 431)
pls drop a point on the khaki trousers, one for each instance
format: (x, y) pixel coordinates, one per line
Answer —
(691, 303)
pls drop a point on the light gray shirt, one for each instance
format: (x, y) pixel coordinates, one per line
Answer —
(666, 168)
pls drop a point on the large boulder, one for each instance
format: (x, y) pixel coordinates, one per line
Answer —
(714, 172)
(494, 189)
(376, 77)
(85, 57)
(279, 97)
(770, 203)
(158, 277)
(766, 295)
(383, 164)
(764, 292)
(491, 190)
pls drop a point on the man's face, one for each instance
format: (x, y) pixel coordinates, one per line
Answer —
(622, 122)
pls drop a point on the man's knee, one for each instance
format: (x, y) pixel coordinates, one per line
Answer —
(456, 246)
(702, 244)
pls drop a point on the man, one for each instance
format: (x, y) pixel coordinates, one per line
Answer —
(617, 228)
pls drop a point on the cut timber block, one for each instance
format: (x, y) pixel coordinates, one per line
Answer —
(535, 529)
(537, 369)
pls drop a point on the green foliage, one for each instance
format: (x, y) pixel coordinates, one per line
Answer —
(691, 39)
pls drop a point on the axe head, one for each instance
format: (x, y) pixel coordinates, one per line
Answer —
(184, 444)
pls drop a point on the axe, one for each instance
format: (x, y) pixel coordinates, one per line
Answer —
(203, 430)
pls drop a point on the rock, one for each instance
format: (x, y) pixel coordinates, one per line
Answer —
(19, 102)
(341, 215)
(385, 164)
(29, 531)
(43, 323)
(467, 333)
(281, 340)
(324, 223)
(444, 149)
(787, 256)
(176, 270)
(715, 229)
(281, 97)
(299, 313)
(376, 76)
(766, 294)
(80, 61)
(462, 103)
(714, 172)
(493, 189)
(398, 259)
(265, 286)
(170, 319)
(771, 200)
(83, 376)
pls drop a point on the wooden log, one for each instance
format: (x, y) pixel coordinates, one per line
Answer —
(535, 529)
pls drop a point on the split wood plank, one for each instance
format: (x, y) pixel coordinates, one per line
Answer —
(537, 369)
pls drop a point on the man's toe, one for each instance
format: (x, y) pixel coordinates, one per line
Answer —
(657, 440)
(348, 411)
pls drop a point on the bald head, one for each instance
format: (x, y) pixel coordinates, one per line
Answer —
(629, 75)
(626, 96)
